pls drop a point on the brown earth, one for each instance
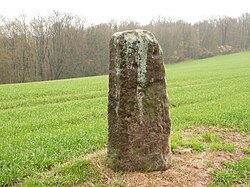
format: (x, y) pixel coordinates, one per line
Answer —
(189, 168)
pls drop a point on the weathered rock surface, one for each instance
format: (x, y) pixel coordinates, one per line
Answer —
(138, 108)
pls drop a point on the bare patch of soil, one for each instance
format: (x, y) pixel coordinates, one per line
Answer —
(189, 168)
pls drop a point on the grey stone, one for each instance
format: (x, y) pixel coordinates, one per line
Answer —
(186, 151)
(138, 109)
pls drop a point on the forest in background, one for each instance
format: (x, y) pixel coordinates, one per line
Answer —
(61, 45)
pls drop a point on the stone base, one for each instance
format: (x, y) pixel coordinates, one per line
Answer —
(145, 163)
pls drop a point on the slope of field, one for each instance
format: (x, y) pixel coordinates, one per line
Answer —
(46, 123)
(212, 91)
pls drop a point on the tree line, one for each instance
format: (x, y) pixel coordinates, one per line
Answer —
(62, 46)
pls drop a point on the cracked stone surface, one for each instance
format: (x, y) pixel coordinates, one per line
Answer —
(138, 108)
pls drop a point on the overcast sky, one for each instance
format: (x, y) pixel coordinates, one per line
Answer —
(97, 11)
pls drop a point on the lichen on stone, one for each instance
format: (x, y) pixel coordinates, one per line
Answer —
(135, 41)
(117, 73)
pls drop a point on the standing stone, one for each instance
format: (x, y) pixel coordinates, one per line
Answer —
(138, 108)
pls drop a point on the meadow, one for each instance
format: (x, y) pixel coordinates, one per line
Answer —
(44, 124)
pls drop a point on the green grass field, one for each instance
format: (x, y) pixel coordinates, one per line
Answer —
(46, 123)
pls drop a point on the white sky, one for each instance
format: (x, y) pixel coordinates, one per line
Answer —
(97, 11)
